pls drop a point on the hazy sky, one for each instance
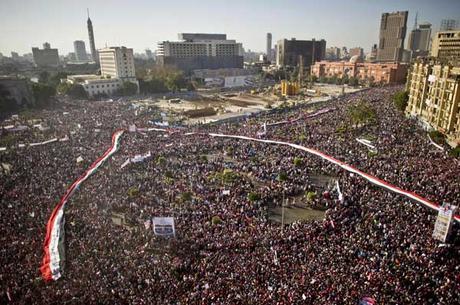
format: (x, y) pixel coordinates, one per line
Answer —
(140, 24)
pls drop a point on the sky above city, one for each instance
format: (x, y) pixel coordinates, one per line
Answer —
(141, 24)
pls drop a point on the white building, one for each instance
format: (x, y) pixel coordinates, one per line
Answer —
(95, 85)
(118, 62)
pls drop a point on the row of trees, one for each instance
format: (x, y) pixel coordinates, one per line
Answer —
(163, 79)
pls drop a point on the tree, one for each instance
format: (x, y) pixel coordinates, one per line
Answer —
(43, 94)
(216, 220)
(282, 176)
(43, 77)
(73, 90)
(253, 197)
(400, 100)
(353, 81)
(361, 113)
(7, 104)
(127, 89)
(310, 196)
(297, 162)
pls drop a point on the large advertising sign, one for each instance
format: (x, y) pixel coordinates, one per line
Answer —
(163, 226)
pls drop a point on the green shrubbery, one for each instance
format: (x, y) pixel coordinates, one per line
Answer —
(400, 100)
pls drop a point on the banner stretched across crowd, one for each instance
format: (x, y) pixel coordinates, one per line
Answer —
(54, 239)
(53, 245)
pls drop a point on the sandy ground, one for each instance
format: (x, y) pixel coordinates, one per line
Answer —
(235, 104)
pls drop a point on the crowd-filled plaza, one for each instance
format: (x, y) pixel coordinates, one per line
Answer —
(371, 243)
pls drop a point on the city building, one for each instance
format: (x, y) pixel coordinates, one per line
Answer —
(15, 56)
(269, 47)
(449, 25)
(46, 57)
(383, 73)
(196, 51)
(118, 62)
(290, 51)
(18, 89)
(149, 54)
(434, 97)
(92, 44)
(419, 39)
(446, 46)
(344, 54)
(96, 85)
(80, 50)
(332, 53)
(392, 35)
(359, 52)
(373, 53)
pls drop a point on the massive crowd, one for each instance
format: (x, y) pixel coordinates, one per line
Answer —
(374, 243)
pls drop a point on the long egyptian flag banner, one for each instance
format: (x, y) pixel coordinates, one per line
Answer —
(54, 239)
(343, 165)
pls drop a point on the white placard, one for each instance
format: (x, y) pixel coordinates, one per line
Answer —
(163, 226)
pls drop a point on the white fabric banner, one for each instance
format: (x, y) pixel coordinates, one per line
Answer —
(163, 226)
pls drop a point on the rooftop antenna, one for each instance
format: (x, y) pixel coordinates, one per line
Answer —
(415, 24)
(87, 10)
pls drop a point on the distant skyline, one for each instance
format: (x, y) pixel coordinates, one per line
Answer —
(141, 24)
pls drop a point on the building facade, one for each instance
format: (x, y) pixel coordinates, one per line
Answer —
(201, 51)
(80, 50)
(332, 53)
(18, 90)
(359, 52)
(449, 25)
(446, 46)
(434, 97)
(269, 47)
(117, 62)
(289, 52)
(392, 34)
(46, 57)
(383, 73)
(92, 44)
(419, 40)
(95, 85)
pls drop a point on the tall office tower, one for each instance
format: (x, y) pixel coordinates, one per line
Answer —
(80, 50)
(91, 41)
(118, 62)
(148, 54)
(289, 52)
(419, 39)
(269, 46)
(392, 34)
(449, 25)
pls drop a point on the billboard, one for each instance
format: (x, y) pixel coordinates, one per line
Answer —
(163, 226)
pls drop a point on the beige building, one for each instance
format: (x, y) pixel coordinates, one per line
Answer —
(117, 62)
(434, 97)
(392, 34)
(446, 46)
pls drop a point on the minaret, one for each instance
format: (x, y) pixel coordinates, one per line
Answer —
(91, 40)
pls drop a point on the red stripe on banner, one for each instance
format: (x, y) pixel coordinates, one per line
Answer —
(45, 268)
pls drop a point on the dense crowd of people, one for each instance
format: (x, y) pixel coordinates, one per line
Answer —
(373, 243)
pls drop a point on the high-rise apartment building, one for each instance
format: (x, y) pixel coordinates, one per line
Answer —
(289, 52)
(46, 57)
(419, 39)
(449, 25)
(392, 35)
(434, 97)
(269, 46)
(446, 46)
(80, 50)
(117, 62)
(92, 44)
(201, 51)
